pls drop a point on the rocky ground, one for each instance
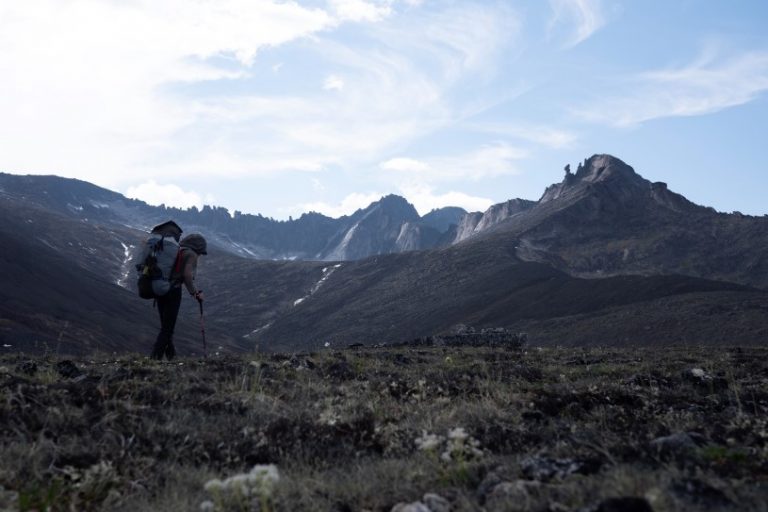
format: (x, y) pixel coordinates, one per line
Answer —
(407, 429)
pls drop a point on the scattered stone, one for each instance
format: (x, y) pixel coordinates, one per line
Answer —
(67, 369)
(416, 506)
(701, 378)
(491, 480)
(517, 491)
(436, 503)
(677, 445)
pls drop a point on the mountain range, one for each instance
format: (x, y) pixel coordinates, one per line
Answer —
(603, 257)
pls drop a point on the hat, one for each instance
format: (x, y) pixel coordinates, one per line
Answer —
(196, 242)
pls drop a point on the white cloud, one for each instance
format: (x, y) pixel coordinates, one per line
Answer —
(85, 78)
(94, 83)
(347, 206)
(360, 10)
(424, 199)
(390, 97)
(333, 83)
(586, 15)
(169, 195)
(553, 138)
(704, 87)
(405, 165)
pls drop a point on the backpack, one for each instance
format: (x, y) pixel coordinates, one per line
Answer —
(161, 256)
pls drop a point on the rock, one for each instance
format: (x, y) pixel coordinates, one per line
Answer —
(67, 369)
(491, 480)
(514, 491)
(677, 445)
(522, 493)
(703, 379)
(436, 503)
(416, 506)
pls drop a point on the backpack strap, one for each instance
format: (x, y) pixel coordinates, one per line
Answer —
(177, 265)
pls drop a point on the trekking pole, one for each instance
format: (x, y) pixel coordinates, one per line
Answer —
(202, 329)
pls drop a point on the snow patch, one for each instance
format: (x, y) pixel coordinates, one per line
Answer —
(47, 243)
(327, 271)
(126, 268)
(241, 249)
(256, 331)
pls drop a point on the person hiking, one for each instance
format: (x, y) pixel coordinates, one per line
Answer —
(191, 248)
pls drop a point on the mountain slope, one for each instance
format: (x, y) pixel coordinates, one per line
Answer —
(601, 258)
(58, 291)
(607, 220)
(403, 296)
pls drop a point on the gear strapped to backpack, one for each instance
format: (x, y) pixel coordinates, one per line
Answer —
(160, 258)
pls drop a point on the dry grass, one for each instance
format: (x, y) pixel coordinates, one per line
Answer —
(364, 429)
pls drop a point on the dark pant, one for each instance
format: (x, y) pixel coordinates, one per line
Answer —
(168, 307)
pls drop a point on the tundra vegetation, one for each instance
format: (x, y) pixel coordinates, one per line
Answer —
(389, 428)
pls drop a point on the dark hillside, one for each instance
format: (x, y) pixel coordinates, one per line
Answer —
(58, 291)
(399, 297)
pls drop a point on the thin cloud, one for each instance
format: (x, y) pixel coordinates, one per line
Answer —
(488, 161)
(704, 87)
(390, 98)
(120, 120)
(359, 10)
(553, 138)
(582, 17)
(87, 78)
(333, 83)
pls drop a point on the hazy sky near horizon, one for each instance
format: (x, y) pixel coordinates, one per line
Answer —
(282, 107)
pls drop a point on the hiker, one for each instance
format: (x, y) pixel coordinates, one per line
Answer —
(191, 248)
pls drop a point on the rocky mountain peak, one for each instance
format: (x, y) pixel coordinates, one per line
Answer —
(599, 168)
(393, 206)
(603, 169)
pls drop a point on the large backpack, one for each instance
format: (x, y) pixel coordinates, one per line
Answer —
(160, 257)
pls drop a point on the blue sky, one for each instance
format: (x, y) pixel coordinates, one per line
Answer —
(280, 107)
